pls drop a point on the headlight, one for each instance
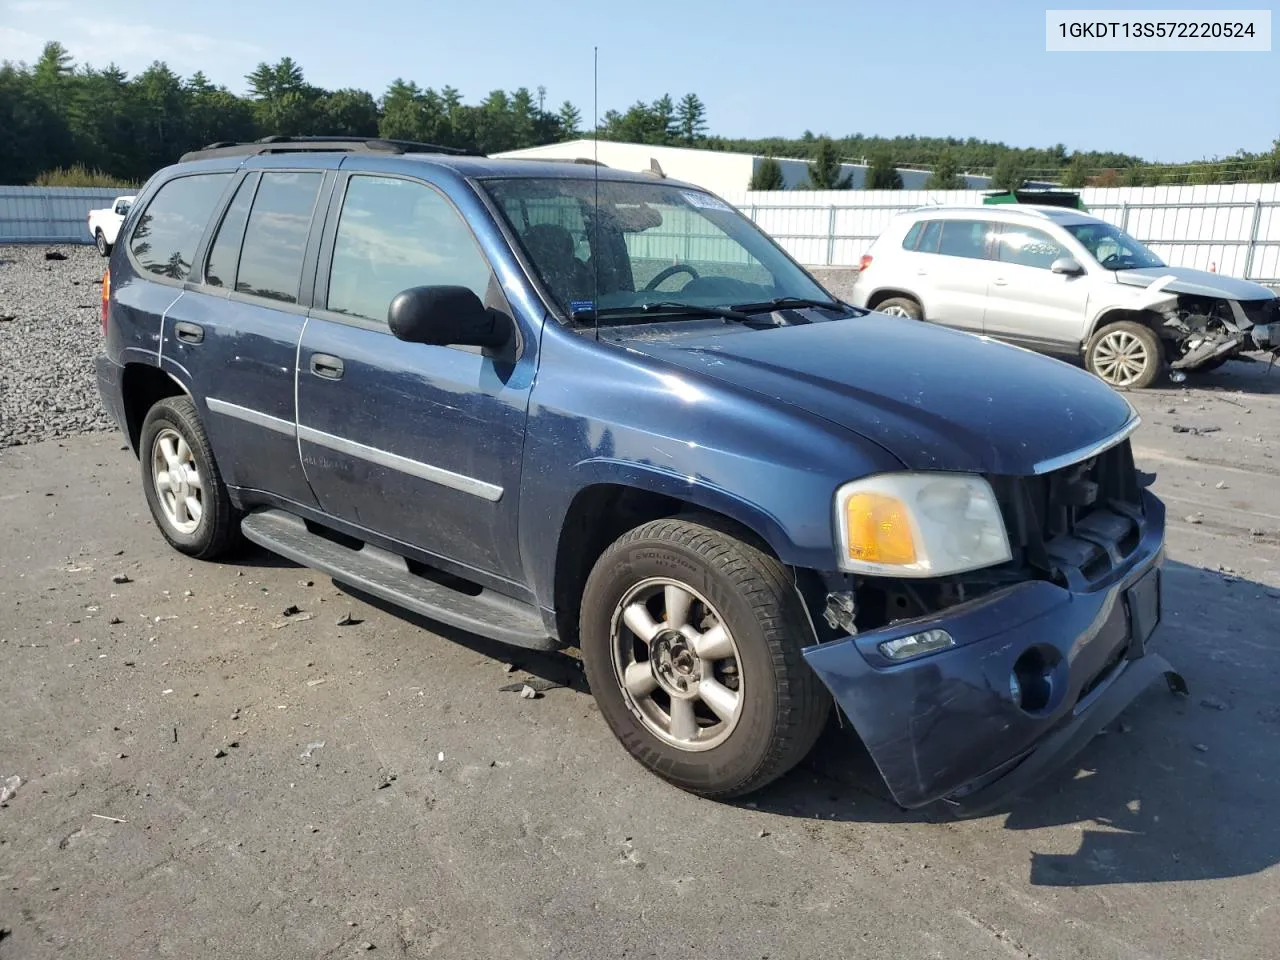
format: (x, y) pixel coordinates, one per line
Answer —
(919, 525)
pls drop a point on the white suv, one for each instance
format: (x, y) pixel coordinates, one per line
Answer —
(1062, 282)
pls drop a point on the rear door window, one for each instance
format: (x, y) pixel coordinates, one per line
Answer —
(169, 230)
(224, 254)
(966, 238)
(395, 234)
(929, 237)
(275, 241)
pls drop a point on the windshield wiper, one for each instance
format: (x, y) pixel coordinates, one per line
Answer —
(664, 308)
(782, 303)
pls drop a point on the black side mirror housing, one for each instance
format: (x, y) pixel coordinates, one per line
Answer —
(445, 316)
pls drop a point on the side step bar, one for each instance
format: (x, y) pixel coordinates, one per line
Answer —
(386, 575)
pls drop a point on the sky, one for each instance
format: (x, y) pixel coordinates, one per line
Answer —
(762, 67)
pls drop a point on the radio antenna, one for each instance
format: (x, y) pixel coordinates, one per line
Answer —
(595, 214)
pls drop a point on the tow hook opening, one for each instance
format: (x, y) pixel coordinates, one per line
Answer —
(1034, 681)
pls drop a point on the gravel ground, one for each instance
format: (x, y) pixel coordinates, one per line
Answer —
(49, 331)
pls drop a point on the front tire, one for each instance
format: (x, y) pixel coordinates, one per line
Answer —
(691, 642)
(104, 248)
(184, 488)
(1125, 355)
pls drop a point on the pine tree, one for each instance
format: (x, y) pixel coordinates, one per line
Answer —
(882, 174)
(664, 120)
(691, 119)
(767, 176)
(824, 171)
(945, 176)
(570, 120)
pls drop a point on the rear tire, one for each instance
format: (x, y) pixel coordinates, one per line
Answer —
(184, 488)
(104, 248)
(1125, 355)
(904, 307)
(691, 642)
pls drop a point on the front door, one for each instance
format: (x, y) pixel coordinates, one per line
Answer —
(419, 443)
(1029, 304)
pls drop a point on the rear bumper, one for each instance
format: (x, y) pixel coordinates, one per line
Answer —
(950, 726)
(108, 376)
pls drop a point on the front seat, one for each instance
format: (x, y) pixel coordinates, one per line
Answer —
(551, 247)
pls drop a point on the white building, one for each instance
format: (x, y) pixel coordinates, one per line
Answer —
(726, 174)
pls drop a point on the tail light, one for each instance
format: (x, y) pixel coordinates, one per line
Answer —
(106, 297)
(864, 261)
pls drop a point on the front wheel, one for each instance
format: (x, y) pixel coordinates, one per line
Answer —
(1126, 355)
(691, 641)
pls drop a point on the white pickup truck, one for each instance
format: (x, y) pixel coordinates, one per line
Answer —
(104, 224)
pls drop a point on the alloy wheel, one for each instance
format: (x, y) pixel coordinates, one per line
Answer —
(177, 481)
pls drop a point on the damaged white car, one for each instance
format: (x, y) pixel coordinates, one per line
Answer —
(1060, 281)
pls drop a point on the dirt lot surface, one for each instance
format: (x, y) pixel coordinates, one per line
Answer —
(204, 777)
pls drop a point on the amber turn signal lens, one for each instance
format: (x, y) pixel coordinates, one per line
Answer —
(879, 530)
(106, 297)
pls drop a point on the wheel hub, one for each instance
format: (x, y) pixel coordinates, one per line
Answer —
(675, 665)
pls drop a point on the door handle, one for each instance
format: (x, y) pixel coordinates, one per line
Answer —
(1000, 282)
(323, 365)
(188, 332)
(922, 273)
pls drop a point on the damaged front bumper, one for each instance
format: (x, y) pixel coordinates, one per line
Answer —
(1035, 672)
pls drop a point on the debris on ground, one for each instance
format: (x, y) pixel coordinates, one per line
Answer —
(1221, 485)
(311, 748)
(763, 833)
(510, 668)
(54, 255)
(293, 618)
(347, 620)
(537, 684)
(367, 946)
(219, 753)
(1194, 431)
(290, 611)
(528, 693)
(1255, 532)
(306, 583)
(122, 578)
(1195, 518)
(9, 788)
(316, 683)
(115, 621)
(386, 781)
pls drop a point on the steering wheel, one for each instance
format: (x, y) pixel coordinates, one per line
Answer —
(1110, 258)
(671, 271)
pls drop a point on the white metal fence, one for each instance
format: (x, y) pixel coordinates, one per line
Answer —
(50, 214)
(1230, 228)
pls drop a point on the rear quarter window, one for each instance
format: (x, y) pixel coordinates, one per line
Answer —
(169, 230)
(913, 235)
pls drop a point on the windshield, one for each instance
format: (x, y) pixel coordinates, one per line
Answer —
(1112, 247)
(654, 243)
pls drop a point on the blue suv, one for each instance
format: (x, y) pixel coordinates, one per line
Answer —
(560, 405)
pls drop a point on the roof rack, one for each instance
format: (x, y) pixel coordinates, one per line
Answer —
(277, 144)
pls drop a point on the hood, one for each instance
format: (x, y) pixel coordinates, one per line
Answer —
(1200, 283)
(936, 399)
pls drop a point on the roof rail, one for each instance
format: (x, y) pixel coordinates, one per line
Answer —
(278, 144)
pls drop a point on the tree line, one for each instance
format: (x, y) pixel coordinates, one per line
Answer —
(57, 115)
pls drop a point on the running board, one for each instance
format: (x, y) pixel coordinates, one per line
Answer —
(386, 575)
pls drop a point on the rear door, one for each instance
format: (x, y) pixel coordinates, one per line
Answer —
(236, 329)
(954, 267)
(422, 444)
(1028, 303)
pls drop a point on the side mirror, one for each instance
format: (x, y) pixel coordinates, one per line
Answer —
(445, 316)
(1068, 265)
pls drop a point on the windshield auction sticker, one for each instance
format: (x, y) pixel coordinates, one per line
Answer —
(1157, 31)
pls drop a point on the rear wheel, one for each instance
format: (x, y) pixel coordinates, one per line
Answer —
(691, 642)
(183, 485)
(1126, 355)
(100, 239)
(903, 307)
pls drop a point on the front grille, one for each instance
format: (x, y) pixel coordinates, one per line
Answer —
(1078, 523)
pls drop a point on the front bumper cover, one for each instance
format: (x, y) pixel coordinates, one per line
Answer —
(947, 726)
